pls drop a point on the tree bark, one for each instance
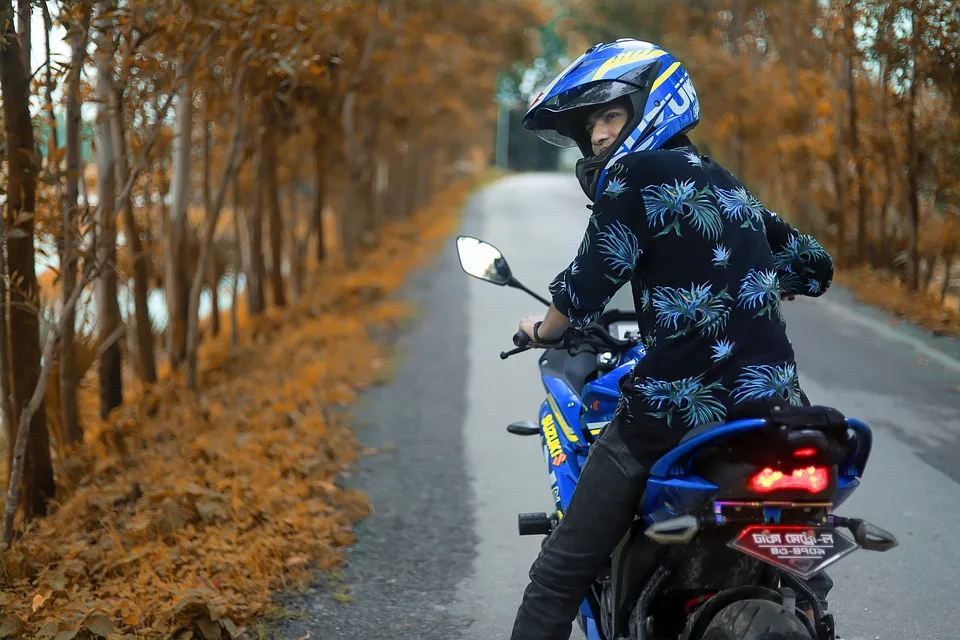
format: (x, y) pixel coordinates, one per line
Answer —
(23, 29)
(213, 277)
(69, 417)
(256, 300)
(276, 219)
(6, 380)
(861, 255)
(948, 260)
(147, 365)
(108, 309)
(237, 269)
(177, 293)
(24, 329)
(913, 187)
(320, 195)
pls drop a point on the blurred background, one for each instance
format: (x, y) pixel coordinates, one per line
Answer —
(842, 115)
(176, 171)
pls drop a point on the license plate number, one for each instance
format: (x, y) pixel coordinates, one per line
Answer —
(801, 550)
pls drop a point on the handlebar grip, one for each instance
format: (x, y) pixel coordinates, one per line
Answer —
(521, 339)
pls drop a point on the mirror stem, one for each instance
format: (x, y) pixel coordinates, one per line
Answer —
(517, 285)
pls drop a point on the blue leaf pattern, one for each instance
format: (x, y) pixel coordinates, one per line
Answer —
(667, 204)
(722, 350)
(695, 401)
(739, 206)
(620, 249)
(693, 158)
(759, 382)
(761, 290)
(721, 256)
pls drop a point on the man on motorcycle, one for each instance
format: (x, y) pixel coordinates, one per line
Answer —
(708, 265)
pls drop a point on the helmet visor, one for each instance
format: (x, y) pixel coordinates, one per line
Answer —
(564, 112)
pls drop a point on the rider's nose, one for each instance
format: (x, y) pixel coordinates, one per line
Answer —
(600, 136)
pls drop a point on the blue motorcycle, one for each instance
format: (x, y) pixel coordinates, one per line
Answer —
(741, 513)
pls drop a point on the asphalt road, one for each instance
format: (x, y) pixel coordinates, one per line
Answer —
(440, 559)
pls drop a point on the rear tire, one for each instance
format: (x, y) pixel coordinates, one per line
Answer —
(755, 620)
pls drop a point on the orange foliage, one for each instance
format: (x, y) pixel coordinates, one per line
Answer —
(920, 308)
(187, 510)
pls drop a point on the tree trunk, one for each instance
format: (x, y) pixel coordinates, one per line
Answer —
(6, 381)
(888, 158)
(948, 260)
(108, 310)
(52, 140)
(276, 219)
(141, 259)
(69, 417)
(256, 300)
(176, 240)
(212, 275)
(23, 29)
(913, 187)
(296, 247)
(320, 195)
(861, 255)
(24, 334)
(209, 227)
(237, 268)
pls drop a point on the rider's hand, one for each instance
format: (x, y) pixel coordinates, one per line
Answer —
(527, 322)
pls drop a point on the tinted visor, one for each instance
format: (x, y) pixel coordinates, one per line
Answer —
(555, 117)
(556, 120)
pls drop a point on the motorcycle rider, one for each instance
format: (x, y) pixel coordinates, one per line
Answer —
(707, 263)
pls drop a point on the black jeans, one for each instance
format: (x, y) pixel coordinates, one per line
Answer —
(598, 516)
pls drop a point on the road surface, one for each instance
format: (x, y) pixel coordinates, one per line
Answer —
(440, 559)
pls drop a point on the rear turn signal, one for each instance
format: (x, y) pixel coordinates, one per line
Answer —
(811, 479)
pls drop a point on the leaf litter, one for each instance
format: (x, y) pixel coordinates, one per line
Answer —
(182, 513)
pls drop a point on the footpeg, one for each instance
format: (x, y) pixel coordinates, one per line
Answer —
(536, 524)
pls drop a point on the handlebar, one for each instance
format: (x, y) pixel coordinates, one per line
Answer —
(589, 335)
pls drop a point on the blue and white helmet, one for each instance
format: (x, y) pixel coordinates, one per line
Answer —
(658, 88)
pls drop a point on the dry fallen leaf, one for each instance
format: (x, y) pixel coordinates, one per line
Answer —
(305, 636)
(37, 602)
(100, 625)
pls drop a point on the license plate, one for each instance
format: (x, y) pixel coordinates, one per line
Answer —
(801, 550)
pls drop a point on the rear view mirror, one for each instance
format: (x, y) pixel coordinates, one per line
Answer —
(482, 260)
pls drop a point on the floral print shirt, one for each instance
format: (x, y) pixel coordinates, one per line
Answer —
(707, 263)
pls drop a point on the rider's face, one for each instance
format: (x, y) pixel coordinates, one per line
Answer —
(604, 125)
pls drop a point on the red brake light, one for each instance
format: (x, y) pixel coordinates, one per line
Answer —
(805, 452)
(811, 479)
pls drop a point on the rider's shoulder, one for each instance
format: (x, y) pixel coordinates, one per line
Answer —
(658, 166)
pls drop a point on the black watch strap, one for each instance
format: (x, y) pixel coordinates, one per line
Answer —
(536, 333)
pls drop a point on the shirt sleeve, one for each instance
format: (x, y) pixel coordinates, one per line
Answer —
(609, 252)
(803, 266)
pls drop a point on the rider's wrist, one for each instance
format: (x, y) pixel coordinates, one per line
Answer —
(536, 331)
